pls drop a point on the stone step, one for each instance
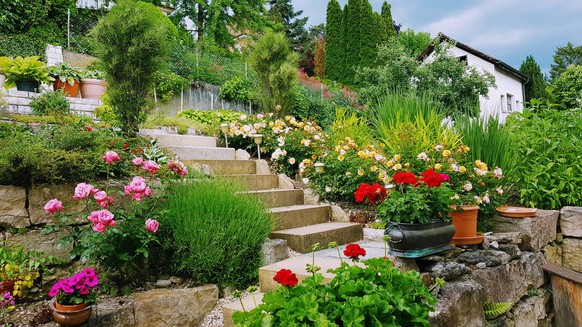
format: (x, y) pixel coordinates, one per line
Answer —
(300, 215)
(278, 197)
(301, 239)
(202, 153)
(248, 302)
(255, 182)
(226, 167)
(170, 140)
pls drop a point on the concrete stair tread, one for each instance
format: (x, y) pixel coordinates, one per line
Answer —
(279, 197)
(254, 182)
(318, 228)
(202, 152)
(224, 166)
(300, 215)
(165, 139)
(297, 207)
(301, 239)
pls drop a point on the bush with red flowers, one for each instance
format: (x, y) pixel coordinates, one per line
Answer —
(286, 277)
(421, 199)
(372, 194)
(354, 251)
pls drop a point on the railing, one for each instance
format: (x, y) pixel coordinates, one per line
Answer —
(567, 295)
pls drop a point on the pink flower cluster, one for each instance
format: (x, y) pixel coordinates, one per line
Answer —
(103, 199)
(178, 167)
(78, 285)
(101, 219)
(152, 225)
(111, 157)
(53, 206)
(83, 190)
(148, 165)
(138, 188)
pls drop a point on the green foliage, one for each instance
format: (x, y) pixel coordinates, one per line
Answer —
(168, 84)
(134, 40)
(65, 73)
(567, 88)
(369, 38)
(414, 43)
(25, 69)
(230, 228)
(212, 118)
(386, 14)
(216, 69)
(281, 12)
(536, 86)
(20, 15)
(308, 104)
(376, 294)
(32, 42)
(564, 57)
(547, 143)
(494, 309)
(348, 124)
(352, 40)
(334, 62)
(51, 103)
(276, 66)
(237, 89)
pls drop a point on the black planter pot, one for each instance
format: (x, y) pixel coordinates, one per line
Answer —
(28, 86)
(419, 240)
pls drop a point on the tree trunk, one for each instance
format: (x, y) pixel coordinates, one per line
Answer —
(201, 20)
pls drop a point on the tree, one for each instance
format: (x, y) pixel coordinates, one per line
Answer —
(333, 41)
(567, 89)
(386, 14)
(536, 86)
(564, 57)
(134, 40)
(282, 11)
(353, 39)
(319, 69)
(276, 66)
(414, 43)
(369, 38)
(222, 21)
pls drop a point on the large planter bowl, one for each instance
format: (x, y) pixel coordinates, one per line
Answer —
(419, 240)
(70, 90)
(70, 315)
(92, 88)
(28, 86)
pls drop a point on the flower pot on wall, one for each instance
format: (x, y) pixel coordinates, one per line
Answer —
(28, 86)
(7, 286)
(70, 90)
(92, 88)
(419, 240)
(70, 315)
(465, 222)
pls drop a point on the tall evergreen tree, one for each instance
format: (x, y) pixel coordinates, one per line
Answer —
(388, 21)
(564, 57)
(380, 29)
(318, 70)
(344, 44)
(368, 37)
(334, 43)
(536, 86)
(353, 39)
(281, 11)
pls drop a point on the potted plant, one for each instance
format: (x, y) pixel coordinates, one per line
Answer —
(92, 85)
(72, 298)
(18, 270)
(26, 74)
(4, 63)
(67, 78)
(416, 214)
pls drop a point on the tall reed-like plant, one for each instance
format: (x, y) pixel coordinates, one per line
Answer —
(216, 232)
(349, 124)
(410, 124)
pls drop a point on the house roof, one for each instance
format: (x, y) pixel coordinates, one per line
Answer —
(498, 63)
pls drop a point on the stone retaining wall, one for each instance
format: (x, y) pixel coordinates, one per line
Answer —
(19, 102)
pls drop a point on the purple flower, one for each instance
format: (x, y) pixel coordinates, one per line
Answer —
(91, 281)
(446, 177)
(89, 272)
(84, 290)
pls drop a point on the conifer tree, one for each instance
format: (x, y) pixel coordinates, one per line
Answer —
(388, 21)
(353, 39)
(344, 46)
(334, 41)
(368, 37)
(318, 70)
(536, 86)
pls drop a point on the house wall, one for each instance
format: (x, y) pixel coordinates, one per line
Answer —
(506, 84)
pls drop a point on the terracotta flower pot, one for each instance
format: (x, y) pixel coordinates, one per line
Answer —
(70, 315)
(6, 286)
(70, 90)
(465, 223)
(92, 88)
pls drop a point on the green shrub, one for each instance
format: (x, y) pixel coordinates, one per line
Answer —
(307, 104)
(32, 42)
(236, 89)
(51, 103)
(213, 118)
(548, 157)
(567, 89)
(216, 233)
(168, 84)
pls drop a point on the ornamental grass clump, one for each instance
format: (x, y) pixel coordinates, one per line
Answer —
(370, 293)
(216, 232)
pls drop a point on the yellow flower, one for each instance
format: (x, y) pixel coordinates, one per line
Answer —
(390, 163)
(397, 166)
(306, 128)
(463, 169)
(314, 156)
(292, 161)
(466, 148)
(446, 153)
(278, 107)
(438, 166)
(373, 168)
(337, 148)
(361, 172)
(397, 157)
(340, 158)
(346, 147)
(361, 154)
(407, 165)
(348, 173)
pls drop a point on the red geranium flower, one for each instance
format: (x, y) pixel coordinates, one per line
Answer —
(405, 177)
(354, 251)
(286, 277)
(431, 178)
(373, 193)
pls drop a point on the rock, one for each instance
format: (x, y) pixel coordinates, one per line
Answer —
(530, 311)
(241, 154)
(339, 215)
(373, 234)
(404, 264)
(460, 304)
(310, 197)
(481, 265)
(203, 169)
(553, 254)
(262, 167)
(535, 232)
(40, 195)
(176, 280)
(490, 257)
(532, 263)
(119, 313)
(13, 207)
(174, 307)
(161, 283)
(511, 249)
(449, 271)
(572, 253)
(494, 245)
(571, 221)
(275, 250)
(501, 238)
(559, 237)
(504, 283)
(34, 240)
(285, 182)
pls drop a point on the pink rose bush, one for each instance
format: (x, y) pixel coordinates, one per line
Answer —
(150, 166)
(137, 188)
(178, 167)
(79, 288)
(152, 225)
(83, 190)
(53, 206)
(111, 157)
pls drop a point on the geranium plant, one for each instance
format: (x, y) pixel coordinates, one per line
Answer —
(423, 199)
(79, 288)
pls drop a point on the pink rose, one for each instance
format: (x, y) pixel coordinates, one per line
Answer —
(105, 217)
(111, 157)
(94, 217)
(137, 161)
(151, 166)
(99, 228)
(152, 225)
(147, 191)
(178, 167)
(138, 184)
(100, 196)
(53, 206)
(83, 191)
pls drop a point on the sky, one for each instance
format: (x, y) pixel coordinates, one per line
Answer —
(508, 30)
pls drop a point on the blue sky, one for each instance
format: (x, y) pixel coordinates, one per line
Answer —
(508, 30)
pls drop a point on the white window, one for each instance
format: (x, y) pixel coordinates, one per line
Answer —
(502, 103)
(509, 103)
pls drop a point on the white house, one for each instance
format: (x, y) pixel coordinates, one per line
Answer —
(507, 96)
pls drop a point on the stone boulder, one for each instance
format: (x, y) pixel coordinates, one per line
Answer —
(40, 195)
(532, 263)
(530, 311)
(13, 207)
(571, 221)
(460, 304)
(572, 253)
(34, 240)
(535, 232)
(491, 258)
(505, 283)
(448, 271)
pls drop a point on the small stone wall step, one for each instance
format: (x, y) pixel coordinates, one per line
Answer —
(279, 197)
(248, 302)
(169, 140)
(255, 182)
(301, 239)
(297, 265)
(222, 167)
(202, 153)
(300, 215)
